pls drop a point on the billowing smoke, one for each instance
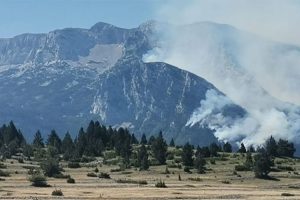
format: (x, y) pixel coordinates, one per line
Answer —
(257, 73)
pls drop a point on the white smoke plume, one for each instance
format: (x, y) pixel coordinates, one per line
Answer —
(255, 72)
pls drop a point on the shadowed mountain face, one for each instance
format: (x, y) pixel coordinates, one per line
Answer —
(67, 77)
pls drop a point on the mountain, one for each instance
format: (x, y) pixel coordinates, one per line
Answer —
(68, 77)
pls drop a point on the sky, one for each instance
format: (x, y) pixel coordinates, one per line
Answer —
(40, 16)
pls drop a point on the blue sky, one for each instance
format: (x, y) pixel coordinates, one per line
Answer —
(38, 16)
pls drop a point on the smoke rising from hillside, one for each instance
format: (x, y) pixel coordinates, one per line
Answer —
(258, 74)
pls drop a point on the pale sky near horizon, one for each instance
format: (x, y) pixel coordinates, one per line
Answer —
(40, 16)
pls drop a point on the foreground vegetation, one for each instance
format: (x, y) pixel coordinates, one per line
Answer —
(101, 159)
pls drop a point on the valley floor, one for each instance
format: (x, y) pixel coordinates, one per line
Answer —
(218, 183)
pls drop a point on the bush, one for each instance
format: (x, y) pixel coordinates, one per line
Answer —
(73, 165)
(287, 194)
(116, 170)
(3, 173)
(104, 175)
(198, 179)
(20, 160)
(96, 170)
(61, 176)
(139, 182)
(212, 161)
(2, 166)
(86, 159)
(38, 180)
(187, 170)
(241, 168)
(226, 182)
(285, 168)
(57, 192)
(91, 174)
(51, 167)
(160, 184)
(71, 180)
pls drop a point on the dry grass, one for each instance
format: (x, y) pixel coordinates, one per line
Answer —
(211, 185)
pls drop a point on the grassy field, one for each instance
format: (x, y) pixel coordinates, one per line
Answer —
(219, 182)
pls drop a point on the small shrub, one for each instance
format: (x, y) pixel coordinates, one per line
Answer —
(198, 179)
(71, 180)
(212, 161)
(285, 168)
(91, 174)
(3, 173)
(74, 165)
(226, 182)
(96, 170)
(57, 192)
(179, 177)
(104, 175)
(61, 176)
(116, 170)
(241, 168)
(2, 179)
(187, 170)
(160, 184)
(20, 160)
(139, 182)
(287, 194)
(38, 180)
(2, 166)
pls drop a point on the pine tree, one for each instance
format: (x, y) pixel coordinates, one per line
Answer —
(271, 147)
(159, 149)
(133, 139)
(227, 147)
(242, 148)
(143, 161)
(143, 139)
(285, 148)
(38, 140)
(81, 143)
(172, 143)
(200, 164)
(68, 146)
(249, 161)
(187, 155)
(262, 165)
(213, 149)
(54, 141)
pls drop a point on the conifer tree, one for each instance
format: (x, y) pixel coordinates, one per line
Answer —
(187, 155)
(38, 140)
(271, 146)
(227, 147)
(172, 143)
(159, 149)
(200, 164)
(143, 161)
(143, 139)
(54, 140)
(242, 148)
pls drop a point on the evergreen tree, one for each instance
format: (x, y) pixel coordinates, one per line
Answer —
(285, 148)
(187, 155)
(151, 140)
(143, 139)
(213, 149)
(172, 143)
(200, 164)
(251, 149)
(81, 143)
(54, 141)
(38, 140)
(143, 161)
(249, 161)
(68, 146)
(133, 139)
(227, 147)
(27, 151)
(271, 146)
(159, 149)
(242, 148)
(262, 165)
